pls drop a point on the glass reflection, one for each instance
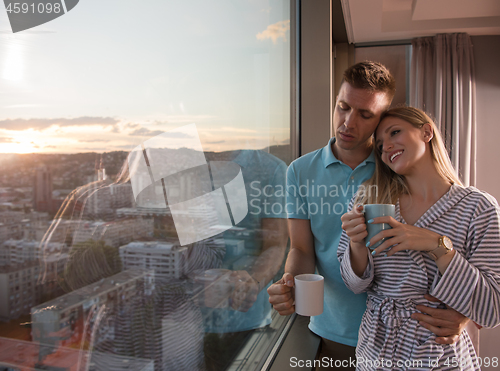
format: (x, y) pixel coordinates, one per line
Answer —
(134, 290)
(124, 244)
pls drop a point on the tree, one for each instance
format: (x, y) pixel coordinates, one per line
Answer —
(89, 262)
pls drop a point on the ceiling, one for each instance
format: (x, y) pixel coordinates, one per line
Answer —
(369, 21)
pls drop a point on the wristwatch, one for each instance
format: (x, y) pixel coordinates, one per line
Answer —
(445, 246)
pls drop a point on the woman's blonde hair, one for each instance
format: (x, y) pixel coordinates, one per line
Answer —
(388, 185)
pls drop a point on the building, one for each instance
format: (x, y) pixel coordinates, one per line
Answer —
(167, 259)
(65, 320)
(12, 224)
(115, 233)
(166, 327)
(52, 268)
(17, 289)
(13, 252)
(57, 230)
(28, 282)
(10, 230)
(34, 225)
(25, 355)
(121, 195)
(103, 199)
(143, 212)
(42, 189)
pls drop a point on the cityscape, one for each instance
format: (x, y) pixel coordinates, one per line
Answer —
(90, 279)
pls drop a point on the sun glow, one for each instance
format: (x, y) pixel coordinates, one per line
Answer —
(19, 148)
(13, 64)
(26, 141)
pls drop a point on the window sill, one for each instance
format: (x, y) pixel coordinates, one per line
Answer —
(300, 343)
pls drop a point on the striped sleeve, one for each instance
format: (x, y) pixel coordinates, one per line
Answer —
(353, 282)
(471, 283)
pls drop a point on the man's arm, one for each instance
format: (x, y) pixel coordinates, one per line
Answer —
(275, 238)
(301, 259)
(250, 283)
(447, 324)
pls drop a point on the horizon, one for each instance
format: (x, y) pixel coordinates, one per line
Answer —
(122, 150)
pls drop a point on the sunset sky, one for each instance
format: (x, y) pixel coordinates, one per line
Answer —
(110, 74)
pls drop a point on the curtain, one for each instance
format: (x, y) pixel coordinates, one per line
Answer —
(442, 83)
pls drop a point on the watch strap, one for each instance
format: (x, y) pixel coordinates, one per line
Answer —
(441, 250)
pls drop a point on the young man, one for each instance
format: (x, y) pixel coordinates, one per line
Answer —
(320, 185)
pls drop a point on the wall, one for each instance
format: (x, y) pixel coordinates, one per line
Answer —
(486, 57)
(316, 74)
(397, 59)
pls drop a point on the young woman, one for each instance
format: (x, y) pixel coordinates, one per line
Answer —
(444, 241)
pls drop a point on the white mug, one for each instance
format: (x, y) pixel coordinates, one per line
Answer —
(309, 293)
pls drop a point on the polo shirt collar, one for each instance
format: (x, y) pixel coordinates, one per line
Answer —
(329, 158)
(242, 158)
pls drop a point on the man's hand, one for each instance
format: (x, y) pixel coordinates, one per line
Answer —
(281, 295)
(246, 289)
(447, 324)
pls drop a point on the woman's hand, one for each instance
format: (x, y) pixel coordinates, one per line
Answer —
(403, 237)
(353, 223)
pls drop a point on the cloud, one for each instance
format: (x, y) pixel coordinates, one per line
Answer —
(176, 134)
(93, 140)
(90, 149)
(125, 146)
(217, 142)
(275, 31)
(40, 124)
(7, 140)
(143, 132)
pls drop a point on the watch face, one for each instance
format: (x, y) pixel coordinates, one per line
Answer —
(447, 243)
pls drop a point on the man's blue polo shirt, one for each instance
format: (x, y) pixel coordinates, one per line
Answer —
(264, 177)
(319, 188)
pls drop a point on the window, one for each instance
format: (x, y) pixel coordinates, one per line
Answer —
(199, 87)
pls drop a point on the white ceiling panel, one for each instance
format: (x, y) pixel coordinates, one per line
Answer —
(448, 9)
(388, 20)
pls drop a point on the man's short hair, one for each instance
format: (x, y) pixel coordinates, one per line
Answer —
(372, 76)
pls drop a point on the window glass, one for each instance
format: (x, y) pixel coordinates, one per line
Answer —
(144, 148)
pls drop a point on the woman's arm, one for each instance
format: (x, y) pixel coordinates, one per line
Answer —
(470, 280)
(356, 266)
